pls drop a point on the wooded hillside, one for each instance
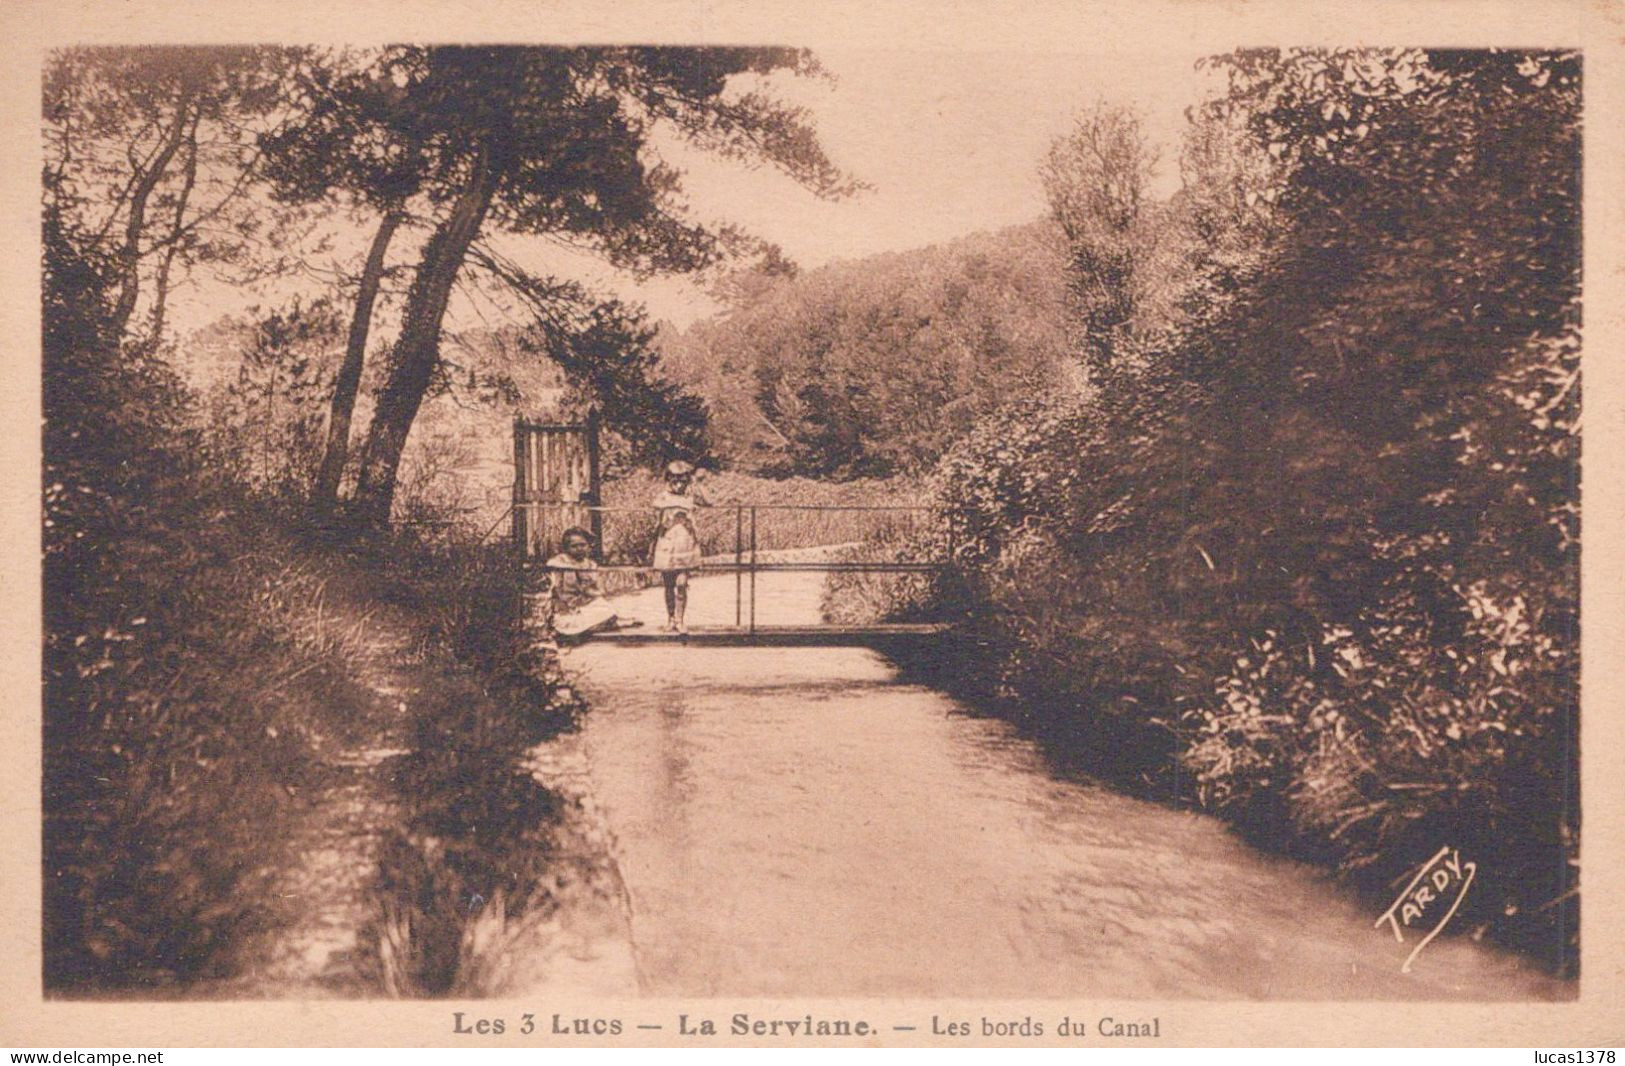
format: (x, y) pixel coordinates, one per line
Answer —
(874, 367)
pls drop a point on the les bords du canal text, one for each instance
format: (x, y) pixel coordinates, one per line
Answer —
(466, 1023)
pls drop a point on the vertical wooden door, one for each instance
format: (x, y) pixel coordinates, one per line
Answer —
(555, 484)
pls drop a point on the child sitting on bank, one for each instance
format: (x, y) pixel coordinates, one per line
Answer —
(579, 606)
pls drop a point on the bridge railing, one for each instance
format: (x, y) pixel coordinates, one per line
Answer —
(751, 539)
(767, 537)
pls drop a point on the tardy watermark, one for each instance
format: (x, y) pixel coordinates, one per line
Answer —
(1444, 877)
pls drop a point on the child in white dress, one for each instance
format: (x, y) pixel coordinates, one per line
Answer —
(677, 547)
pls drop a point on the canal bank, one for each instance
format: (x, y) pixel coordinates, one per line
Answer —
(809, 822)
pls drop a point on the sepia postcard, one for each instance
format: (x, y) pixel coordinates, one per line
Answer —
(853, 525)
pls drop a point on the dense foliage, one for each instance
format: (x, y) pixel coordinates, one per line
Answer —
(1313, 560)
(142, 886)
(874, 367)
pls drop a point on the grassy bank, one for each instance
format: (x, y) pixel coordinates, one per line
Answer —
(180, 721)
(483, 856)
(206, 695)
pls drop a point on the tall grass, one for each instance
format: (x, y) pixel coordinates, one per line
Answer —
(473, 866)
(182, 723)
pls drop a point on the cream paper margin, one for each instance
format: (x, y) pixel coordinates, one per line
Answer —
(31, 26)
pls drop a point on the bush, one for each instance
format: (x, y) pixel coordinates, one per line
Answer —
(156, 676)
(1313, 564)
(180, 713)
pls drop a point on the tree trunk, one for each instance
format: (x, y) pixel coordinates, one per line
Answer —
(348, 382)
(160, 292)
(129, 255)
(417, 351)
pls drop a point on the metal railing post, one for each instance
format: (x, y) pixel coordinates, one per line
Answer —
(595, 487)
(753, 570)
(521, 532)
(739, 570)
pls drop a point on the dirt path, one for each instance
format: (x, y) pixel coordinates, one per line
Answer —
(479, 872)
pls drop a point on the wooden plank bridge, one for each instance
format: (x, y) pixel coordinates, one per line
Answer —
(878, 636)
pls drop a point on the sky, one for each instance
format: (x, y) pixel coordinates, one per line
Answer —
(949, 128)
(950, 142)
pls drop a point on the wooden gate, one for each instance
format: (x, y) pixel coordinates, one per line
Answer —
(555, 484)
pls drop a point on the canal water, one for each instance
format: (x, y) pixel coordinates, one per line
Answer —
(801, 821)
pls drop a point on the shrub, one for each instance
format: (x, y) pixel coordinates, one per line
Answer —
(1312, 564)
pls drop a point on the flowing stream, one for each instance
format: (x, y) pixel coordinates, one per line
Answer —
(801, 821)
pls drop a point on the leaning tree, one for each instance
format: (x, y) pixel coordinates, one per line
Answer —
(556, 143)
(353, 148)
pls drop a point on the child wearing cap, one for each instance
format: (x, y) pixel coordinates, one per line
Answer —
(677, 548)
